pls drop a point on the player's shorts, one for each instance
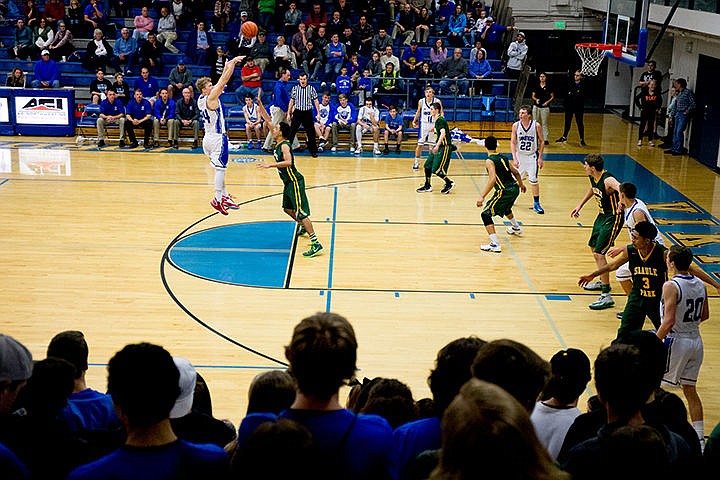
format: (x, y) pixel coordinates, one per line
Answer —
(439, 162)
(426, 133)
(685, 355)
(294, 198)
(216, 148)
(529, 167)
(637, 308)
(393, 135)
(605, 230)
(623, 274)
(502, 201)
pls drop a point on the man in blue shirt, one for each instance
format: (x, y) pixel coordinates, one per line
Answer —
(139, 113)
(148, 85)
(47, 74)
(412, 60)
(95, 16)
(112, 112)
(165, 117)
(684, 107)
(492, 37)
(393, 126)
(279, 108)
(125, 48)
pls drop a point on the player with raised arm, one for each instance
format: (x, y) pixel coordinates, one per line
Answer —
(527, 144)
(215, 143)
(295, 202)
(423, 118)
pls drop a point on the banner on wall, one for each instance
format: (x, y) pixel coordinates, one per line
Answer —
(37, 110)
(4, 110)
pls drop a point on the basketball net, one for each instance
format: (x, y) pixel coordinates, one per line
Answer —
(592, 55)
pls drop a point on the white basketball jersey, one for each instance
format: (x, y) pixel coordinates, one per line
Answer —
(425, 114)
(368, 114)
(630, 219)
(324, 114)
(214, 119)
(252, 112)
(527, 141)
(343, 113)
(691, 298)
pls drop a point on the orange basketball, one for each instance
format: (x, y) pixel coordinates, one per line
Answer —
(249, 29)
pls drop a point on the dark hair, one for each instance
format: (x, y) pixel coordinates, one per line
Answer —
(302, 74)
(452, 369)
(285, 130)
(595, 160)
(143, 382)
(49, 388)
(681, 256)
(437, 106)
(628, 189)
(322, 354)
(272, 391)
(570, 375)
(636, 451)
(652, 62)
(72, 347)
(646, 230)
(653, 352)
(491, 143)
(623, 381)
(682, 82)
(514, 367)
(162, 88)
(527, 108)
(391, 399)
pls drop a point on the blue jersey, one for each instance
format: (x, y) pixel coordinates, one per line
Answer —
(214, 119)
(343, 84)
(393, 123)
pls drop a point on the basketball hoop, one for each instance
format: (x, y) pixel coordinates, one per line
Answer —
(592, 55)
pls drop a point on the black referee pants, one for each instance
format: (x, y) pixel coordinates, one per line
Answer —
(304, 118)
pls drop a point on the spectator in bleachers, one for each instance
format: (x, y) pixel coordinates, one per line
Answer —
(353, 67)
(139, 113)
(122, 89)
(47, 73)
(480, 69)
(517, 52)
(313, 62)
(94, 16)
(321, 39)
(167, 30)
(164, 116)
(365, 85)
(404, 24)
(251, 77)
(221, 58)
(342, 84)
(151, 53)
(424, 22)
(122, 8)
(393, 128)
(389, 57)
(380, 41)
(351, 42)
(323, 119)
(221, 14)
(16, 78)
(99, 86)
(442, 17)
(97, 53)
(271, 392)
(188, 115)
(143, 23)
(412, 59)
(344, 7)
(454, 73)
(345, 118)
(364, 34)
(476, 49)
(75, 19)
(31, 14)
(61, 46)
(199, 44)
(54, 12)
(298, 42)
(479, 20)
(457, 27)
(180, 77)
(423, 78)
(374, 65)
(15, 369)
(266, 12)
(147, 84)
(23, 41)
(125, 51)
(316, 18)
(43, 35)
(388, 84)
(253, 122)
(112, 112)
(336, 24)
(293, 18)
(261, 51)
(492, 37)
(179, 12)
(335, 58)
(283, 56)
(143, 382)
(386, 397)
(438, 54)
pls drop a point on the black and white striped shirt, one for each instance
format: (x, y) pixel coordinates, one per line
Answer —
(304, 97)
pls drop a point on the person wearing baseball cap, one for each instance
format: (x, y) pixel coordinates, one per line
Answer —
(15, 369)
(492, 37)
(47, 73)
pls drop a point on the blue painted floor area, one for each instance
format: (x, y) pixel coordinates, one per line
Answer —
(251, 254)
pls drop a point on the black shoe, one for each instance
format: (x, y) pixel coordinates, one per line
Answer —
(314, 154)
(101, 143)
(561, 140)
(175, 144)
(424, 189)
(669, 151)
(134, 145)
(547, 143)
(195, 144)
(665, 145)
(677, 154)
(398, 148)
(386, 151)
(448, 186)
(121, 144)
(156, 144)
(582, 143)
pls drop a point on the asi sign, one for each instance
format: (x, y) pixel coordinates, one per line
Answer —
(42, 110)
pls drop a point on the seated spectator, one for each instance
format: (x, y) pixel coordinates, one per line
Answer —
(316, 18)
(442, 17)
(54, 12)
(364, 34)
(94, 16)
(313, 62)
(438, 54)
(151, 53)
(353, 67)
(15, 369)
(343, 84)
(43, 35)
(97, 53)
(344, 8)
(253, 122)
(261, 51)
(380, 41)
(388, 56)
(423, 79)
(293, 18)
(322, 356)
(423, 25)
(251, 80)
(271, 392)
(221, 58)
(374, 65)
(179, 12)
(298, 42)
(351, 42)
(479, 20)
(492, 37)
(147, 84)
(23, 41)
(454, 73)
(283, 55)
(164, 116)
(167, 30)
(393, 128)
(199, 45)
(61, 46)
(112, 112)
(365, 86)
(138, 113)
(457, 27)
(125, 50)
(486, 433)
(387, 398)
(143, 382)
(321, 39)
(480, 69)
(16, 78)
(405, 24)
(75, 19)
(31, 14)
(388, 85)
(221, 14)
(266, 12)
(47, 73)
(99, 86)
(180, 77)
(345, 118)
(190, 423)
(335, 57)
(323, 120)
(188, 115)
(122, 89)
(336, 24)
(144, 24)
(412, 59)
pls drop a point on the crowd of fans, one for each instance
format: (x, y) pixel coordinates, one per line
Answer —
(498, 410)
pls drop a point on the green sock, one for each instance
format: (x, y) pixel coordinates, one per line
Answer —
(606, 288)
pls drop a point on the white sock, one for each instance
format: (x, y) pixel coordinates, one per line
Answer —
(375, 145)
(494, 239)
(699, 427)
(514, 222)
(219, 184)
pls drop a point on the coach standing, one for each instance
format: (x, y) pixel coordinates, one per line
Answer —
(300, 112)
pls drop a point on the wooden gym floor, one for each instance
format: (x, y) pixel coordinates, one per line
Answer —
(88, 243)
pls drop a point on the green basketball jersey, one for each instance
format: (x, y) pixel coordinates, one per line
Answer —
(441, 123)
(608, 204)
(503, 173)
(287, 174)
(648, 274)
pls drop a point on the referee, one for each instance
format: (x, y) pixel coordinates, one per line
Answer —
(300, 111)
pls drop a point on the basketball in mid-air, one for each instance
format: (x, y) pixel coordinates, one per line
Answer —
(249, 29)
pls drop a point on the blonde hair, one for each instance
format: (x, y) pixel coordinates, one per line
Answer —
(202, 83)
